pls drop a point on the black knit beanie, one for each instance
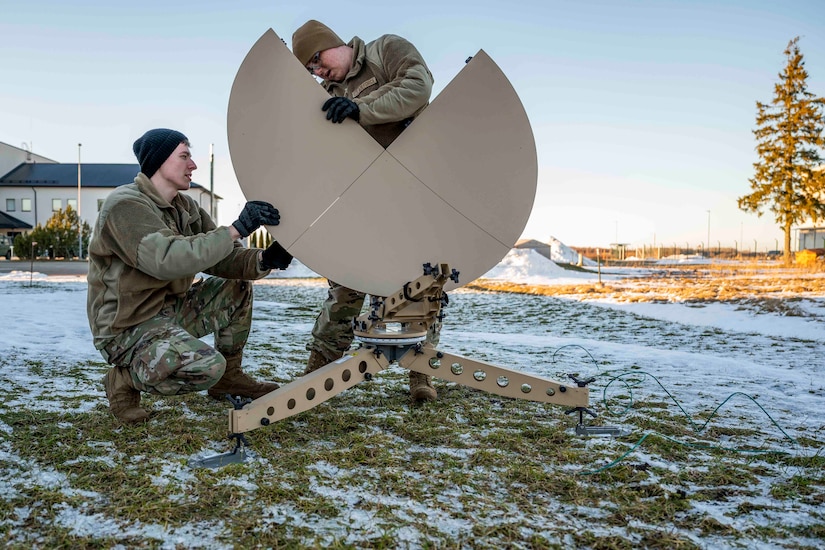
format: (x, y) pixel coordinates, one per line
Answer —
(154, 147)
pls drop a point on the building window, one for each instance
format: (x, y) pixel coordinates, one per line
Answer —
(25, 205)
(99, 204)
(72, 203)
(57, 205)
(10, 205)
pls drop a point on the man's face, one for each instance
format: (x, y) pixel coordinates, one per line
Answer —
(331, 64)
(178, 168)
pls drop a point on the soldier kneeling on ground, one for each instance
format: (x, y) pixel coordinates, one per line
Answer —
(146, 310)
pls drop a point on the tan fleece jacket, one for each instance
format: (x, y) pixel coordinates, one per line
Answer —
(145, 250)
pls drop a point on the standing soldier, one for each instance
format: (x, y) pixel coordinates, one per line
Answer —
(383, 85)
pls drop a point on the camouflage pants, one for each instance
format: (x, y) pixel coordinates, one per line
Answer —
(332, 334)
(165, 355)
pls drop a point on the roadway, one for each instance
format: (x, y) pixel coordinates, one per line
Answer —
(47, 267)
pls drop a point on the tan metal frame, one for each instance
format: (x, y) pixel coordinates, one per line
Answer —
(414, 309)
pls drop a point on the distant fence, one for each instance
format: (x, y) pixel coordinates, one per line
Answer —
(653, 253)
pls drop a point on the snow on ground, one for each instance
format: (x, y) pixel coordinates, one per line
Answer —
(43, 314)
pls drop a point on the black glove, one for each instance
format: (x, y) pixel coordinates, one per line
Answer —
(339, 108)
(254, 215)
(275, 257)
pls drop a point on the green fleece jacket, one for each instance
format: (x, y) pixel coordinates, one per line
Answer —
(389, 81)
(146, 251)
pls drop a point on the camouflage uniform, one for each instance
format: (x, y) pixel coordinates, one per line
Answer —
(165, 355)
(332, 334)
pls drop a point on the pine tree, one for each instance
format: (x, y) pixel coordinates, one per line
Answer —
(59, 235)
(788, 178)
(63, 228)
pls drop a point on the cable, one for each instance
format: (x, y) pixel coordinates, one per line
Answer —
(697, 429)
(575, 346)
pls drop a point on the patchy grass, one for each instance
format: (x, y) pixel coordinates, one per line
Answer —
(509, 472)
(370, 469)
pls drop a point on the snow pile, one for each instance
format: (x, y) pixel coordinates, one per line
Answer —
(555, 250)
(527, 265)
(683, 259)
(562, 253)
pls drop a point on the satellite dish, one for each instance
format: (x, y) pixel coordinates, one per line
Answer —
(456, 187)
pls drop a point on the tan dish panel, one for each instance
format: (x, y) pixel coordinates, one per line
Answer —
(474, 148)
(455, 187)
(283, 150)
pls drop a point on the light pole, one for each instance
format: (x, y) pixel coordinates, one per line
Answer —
(31, 264)
(79, 221)
(708, 241)
(212, 180)
(741, 233)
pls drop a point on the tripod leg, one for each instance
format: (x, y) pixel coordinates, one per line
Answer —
(308, 391)
(494, 379)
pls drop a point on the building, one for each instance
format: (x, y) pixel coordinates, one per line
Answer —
(11, 157)
(810, 238)
(33, 187)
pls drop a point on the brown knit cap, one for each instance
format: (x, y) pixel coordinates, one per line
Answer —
(312, 37)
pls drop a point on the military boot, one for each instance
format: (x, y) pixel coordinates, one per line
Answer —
(236, 382)
(124, 399)
(318, 360)
(421, 387)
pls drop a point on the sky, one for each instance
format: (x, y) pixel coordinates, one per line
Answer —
(787, 384)
(642, 111)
